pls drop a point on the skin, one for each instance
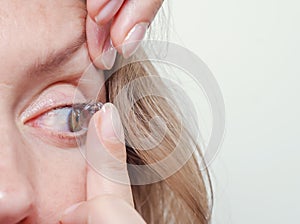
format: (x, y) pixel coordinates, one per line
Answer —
(32, 184)
(42, 173)
(116, 24)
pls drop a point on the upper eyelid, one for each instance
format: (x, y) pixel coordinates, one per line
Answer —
(41, 107)
(54, 97)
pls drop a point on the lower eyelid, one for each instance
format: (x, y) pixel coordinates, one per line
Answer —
(59, 139)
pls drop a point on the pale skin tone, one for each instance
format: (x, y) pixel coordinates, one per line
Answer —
(110, 22)
(42, 173)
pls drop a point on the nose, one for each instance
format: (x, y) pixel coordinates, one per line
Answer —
(15, 205)
(16, 192)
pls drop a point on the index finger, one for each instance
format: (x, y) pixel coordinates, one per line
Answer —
(106, 155)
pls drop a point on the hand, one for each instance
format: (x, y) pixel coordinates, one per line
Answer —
(107, 200)
(116, 23)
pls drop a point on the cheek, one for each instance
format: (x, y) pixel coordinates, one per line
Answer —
(61, 184)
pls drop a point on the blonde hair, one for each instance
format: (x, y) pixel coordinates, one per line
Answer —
(184, 197)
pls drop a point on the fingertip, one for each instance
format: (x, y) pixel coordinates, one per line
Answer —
(108, 56)
(130, 24)
(106, 133)
(96, 41)
(111, 126)
(106, 155)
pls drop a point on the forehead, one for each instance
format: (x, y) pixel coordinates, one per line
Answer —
(36, 27)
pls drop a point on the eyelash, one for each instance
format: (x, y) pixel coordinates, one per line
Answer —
(61, 138)
(78, 119)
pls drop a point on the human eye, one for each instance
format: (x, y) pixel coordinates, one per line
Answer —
(56, 119)
(59, 120)
(64, 125)
(68, 119)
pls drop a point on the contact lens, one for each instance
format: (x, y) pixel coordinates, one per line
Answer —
(81, 115)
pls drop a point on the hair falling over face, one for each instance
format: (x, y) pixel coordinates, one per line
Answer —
(184, 197)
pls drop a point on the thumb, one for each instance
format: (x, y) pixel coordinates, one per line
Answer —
(106, 156)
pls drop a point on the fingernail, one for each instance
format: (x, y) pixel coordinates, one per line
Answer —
(72, 208)
(111, 126)
(133, 39)
(105, 136)
(108, 11)
(109, 54)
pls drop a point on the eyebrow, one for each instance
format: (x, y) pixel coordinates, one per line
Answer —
(54, 60)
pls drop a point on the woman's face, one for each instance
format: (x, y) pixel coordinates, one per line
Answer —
(42, 56)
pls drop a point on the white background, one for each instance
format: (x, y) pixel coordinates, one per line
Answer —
(253, 49)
